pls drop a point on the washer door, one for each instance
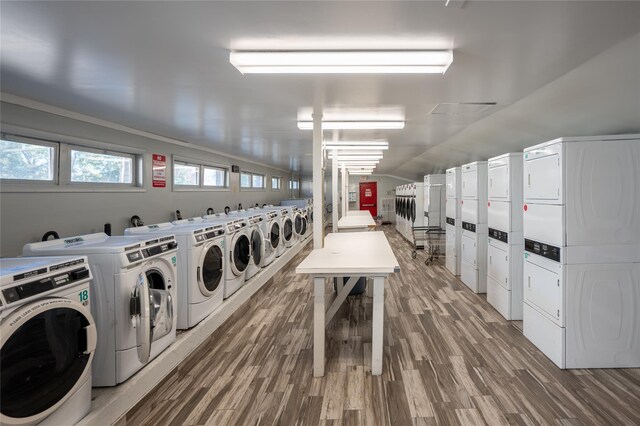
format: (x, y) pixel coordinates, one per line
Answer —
(141, 310)
(287, 229)
(274, 234)
(298, 224)
(304, 225)
(210, 270)
(257, 247)
(46, 353)
(413, 210)
(240, 254)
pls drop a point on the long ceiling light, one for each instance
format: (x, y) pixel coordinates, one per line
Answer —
(343, 152)
(342, 61)
(357, 145)
(355, 125)
(357, 163)
(356, 157)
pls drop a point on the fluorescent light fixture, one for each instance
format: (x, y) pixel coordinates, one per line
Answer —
(354, 125)
(342, 61)
(357, 163)
(355, 152)
(361, 173)
(356, 157)
(357, 145)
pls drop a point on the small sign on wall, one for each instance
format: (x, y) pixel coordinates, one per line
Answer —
(159, 168)
(365, 177)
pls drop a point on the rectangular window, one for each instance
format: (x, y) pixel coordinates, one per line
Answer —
(88, 166)
(27, 161)
(191, 175)
(294, 184)
(251, 180)
(276, 182)
(186, 174)
(214, 176)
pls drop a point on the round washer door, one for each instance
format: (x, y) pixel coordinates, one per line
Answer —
(304, 226)
(210, 269)
(298, 224)
(46, 353)
(287, 229)
(240, 253)
(257, 247)
(274, 234)
(413, 210)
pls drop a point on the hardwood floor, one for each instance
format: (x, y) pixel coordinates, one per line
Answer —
(449, 358)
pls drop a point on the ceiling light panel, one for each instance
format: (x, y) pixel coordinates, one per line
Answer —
(354, 152)
(356, 157)
(357, 145)
(354, 125)
(342, 62)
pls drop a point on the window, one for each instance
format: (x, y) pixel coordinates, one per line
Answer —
(92, 166)
(41, 164)
(186, 174)
(191, 175)
(276, 183)
(250, 180)
(27, 161)
(294, 184)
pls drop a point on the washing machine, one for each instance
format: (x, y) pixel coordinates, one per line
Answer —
(256, 237)
(271, 228)
(300, 223)
(238, 250)
(200, 267)
(133, 294)
(287, 236)
(47, 338)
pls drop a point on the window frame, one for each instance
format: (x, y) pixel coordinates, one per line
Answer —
(291, 181)
(279, 186)
(68, 171)
(251, 187)
(202, 166)
(54, 162)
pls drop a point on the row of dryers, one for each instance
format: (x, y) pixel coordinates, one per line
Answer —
(409, 205)
(92, 310)
(552, 235)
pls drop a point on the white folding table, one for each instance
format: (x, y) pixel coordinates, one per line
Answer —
(354, 255)
(359, 213)
(356, 223)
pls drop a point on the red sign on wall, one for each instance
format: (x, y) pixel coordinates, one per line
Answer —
(159, 171)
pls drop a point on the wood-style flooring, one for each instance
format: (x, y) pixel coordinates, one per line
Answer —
(449, 359)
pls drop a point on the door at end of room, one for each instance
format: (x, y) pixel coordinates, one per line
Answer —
(369, 197)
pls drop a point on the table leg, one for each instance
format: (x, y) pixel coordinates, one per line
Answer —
(378, 326)
(318, 327)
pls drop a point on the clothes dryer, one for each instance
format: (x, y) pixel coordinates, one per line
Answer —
(474, 226)
(200, 267)
(47, 340)
(238, 250)
(453, 211)
(133, 291)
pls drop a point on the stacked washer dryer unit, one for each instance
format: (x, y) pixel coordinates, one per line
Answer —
(133, 294)
(582, 250)
(505, 247)
(48, 339)
(200, 267)
(474, 226)
(453, 208)
(237, 253)
(434, 200)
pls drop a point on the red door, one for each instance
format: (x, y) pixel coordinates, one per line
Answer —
(369, 197)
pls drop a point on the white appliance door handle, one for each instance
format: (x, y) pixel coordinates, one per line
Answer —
(92, 338)
(141, 302)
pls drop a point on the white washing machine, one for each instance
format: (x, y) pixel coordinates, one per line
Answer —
(133, 291)
(474, 226)
(47, 338)
(505, 248)
(272, 232)
(582, 250)
(300, 223)
(255, 222)
(200, 267)
(287, 236)
(238, 250)
(453, 211)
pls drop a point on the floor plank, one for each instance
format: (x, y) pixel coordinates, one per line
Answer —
(449, 358)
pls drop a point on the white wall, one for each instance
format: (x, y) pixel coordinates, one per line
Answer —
(26, 216)
(386, 189)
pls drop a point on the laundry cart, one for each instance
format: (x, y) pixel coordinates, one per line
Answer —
(432, 239)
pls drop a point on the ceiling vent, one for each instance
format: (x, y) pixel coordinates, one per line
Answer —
(462, 108)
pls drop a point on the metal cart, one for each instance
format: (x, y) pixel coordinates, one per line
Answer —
(431, 239)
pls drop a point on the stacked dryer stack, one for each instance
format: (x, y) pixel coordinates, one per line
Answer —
(582, 250)
(434, 200)
(506, 245)
(474, 226)
(454, 220)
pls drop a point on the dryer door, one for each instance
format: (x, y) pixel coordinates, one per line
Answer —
(240, 254)
(46, 353)
(287, 228)
(257, 247)
(274, 234)
(210, 269)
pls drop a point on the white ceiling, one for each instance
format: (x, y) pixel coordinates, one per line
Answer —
(163, 67)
